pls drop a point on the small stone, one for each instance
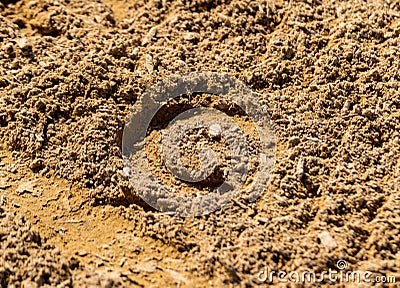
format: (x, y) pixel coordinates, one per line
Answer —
(32, 3)
(152, 32)
(39, 137)
(82, 253)
(300, 168)
(150, 35)
(149, 63)
(134, 53)
(201, 226)
(25, 187)
(327, 240)
(215, 130)
(25, 46)
(126, 171)
(122, 262)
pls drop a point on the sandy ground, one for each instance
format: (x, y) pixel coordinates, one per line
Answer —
(70, 71)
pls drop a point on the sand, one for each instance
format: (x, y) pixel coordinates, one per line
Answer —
(326, 72)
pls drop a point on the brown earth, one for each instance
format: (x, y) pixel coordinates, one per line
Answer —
(70, 71)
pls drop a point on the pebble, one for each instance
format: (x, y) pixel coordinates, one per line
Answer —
(149, 63)
(25, 187)
(300, 168)
(215, 130)
(150, 35)
(122, 262)
(201, 226)
(327, 240)
(82, 253)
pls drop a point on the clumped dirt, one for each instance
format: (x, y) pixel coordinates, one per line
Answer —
(24, 254)
(70, 71)
(188, 146)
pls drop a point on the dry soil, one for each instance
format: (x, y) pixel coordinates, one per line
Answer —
(70, 71)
